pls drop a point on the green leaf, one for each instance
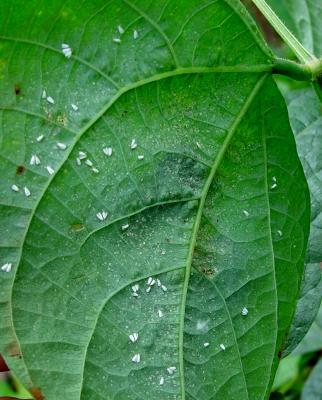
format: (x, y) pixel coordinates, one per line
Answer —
(287, 373)
(303, 18)
(307, 127)
(313, 387)
(11, 387)
(306, 121)
(218, 208)
(307, 307)
(313, 339)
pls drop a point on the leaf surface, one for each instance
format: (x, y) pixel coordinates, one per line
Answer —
(303, 18)
(313, 339)
(210, 198)
(313, 386)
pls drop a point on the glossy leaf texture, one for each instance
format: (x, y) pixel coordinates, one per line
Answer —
(171, 158)
(306, 121)
(303, 18)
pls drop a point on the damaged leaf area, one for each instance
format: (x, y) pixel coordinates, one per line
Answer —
(153, 240)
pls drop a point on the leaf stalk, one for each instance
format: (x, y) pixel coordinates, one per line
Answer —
(310, 71)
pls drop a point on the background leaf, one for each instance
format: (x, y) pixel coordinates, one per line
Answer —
(313, 387)
(313, 339)
(306, 121)
(210, 198)
(303, 18)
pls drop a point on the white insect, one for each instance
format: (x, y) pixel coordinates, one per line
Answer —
(135, 288)
(125, 227)
(274, 179)
(161, 380)
(274, 186)
(244, 311)
(134, 337)
(78, 161)
(50, 170)
(108, 151)
(148, 290)
(6, 267)
(280, 233)
(101, 215)
(89, 163)
(133, 144)
(134, 294)
(151, 281)
(140, 157)
(61, 146)
(66, 49)
(27, 191)
(159, 283)
(198, 145)
(136, 358)
(164, 288)
(15, 188)
(95, 170)
(40, 138)
(171, 370)
(246, 213)
(222, 346)
(34, 160)
(44, 94)
(116, 40)
(50, 100)
(82, 155)
(135, 34)
(120, 29)
(74, 107)
(160, 313)
(206, 344)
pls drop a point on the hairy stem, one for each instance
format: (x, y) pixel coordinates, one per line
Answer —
(299, 50)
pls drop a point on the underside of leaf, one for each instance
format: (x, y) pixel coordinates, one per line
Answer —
(161, 254)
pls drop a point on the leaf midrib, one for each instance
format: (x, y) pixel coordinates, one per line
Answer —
(260, 68)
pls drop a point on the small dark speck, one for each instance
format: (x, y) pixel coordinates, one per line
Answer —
(20, 170)
(17, 90)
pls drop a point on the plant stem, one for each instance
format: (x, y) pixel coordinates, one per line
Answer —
(310, 71)
(299, 50)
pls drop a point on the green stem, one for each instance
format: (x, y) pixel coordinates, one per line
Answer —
(299, 50)
(310, 71)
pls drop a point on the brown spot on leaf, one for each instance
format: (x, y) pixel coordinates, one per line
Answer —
(77, 227)
(36, 392)
(207, 271)
(17, 90)
(20, 170)
(13, 350)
